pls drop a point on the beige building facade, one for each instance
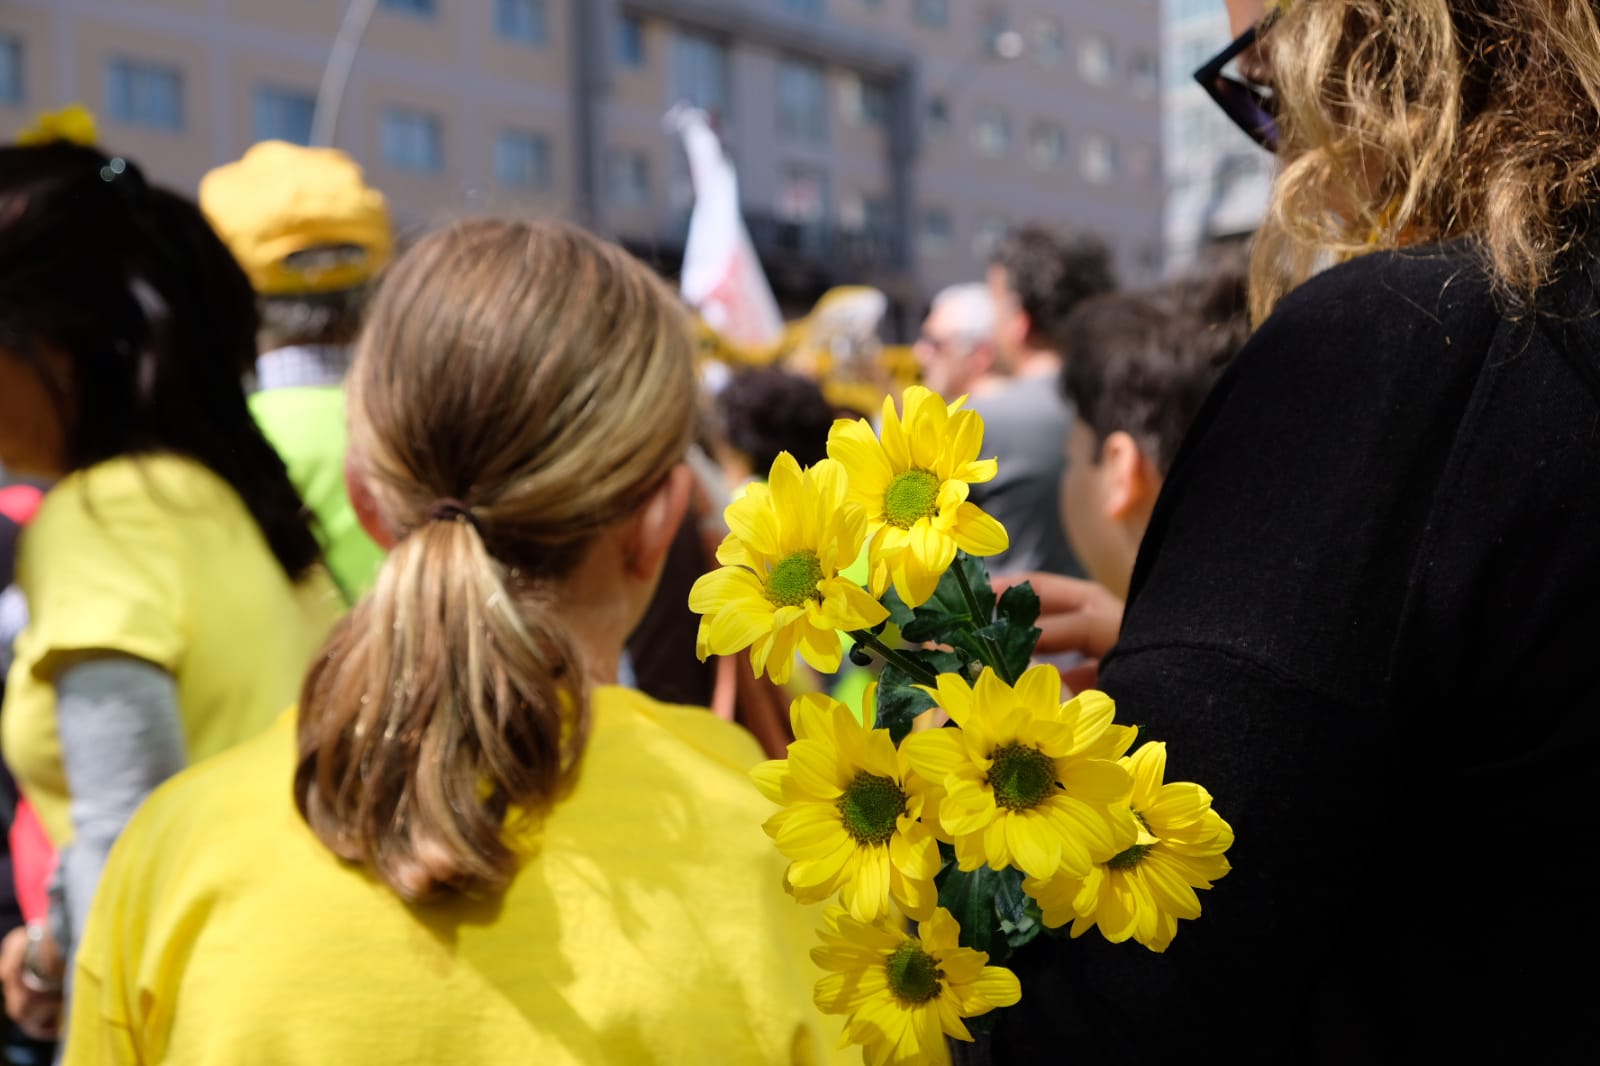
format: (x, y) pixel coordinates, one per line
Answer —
(881, 141)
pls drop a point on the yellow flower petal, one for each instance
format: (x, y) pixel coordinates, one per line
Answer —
(977, 533)
(769, 778)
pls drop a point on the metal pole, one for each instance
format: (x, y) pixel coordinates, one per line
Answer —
(336, 75)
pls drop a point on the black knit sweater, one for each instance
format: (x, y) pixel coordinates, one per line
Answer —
(1367, 617)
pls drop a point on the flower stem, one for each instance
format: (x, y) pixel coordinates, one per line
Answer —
(912, 669)
(978, 621)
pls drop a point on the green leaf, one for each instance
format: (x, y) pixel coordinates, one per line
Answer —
(899, 702)
(1010, 902)
(899, 613)
(1016, 644)
(970, 897)
(1019, 605)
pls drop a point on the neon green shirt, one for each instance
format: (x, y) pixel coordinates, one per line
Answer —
(306, 425)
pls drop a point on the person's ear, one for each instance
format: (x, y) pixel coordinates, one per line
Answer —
(655, 525)
(1131, 479)
(365, 504)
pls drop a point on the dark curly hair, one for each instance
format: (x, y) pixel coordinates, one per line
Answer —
(159, 322)
(764, 412)
(1052, 273)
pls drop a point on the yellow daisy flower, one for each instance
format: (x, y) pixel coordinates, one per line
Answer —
(850, 814)
(904, 994)
(913, 485)
(1142, 891)
(1027, 780)
(778, 590)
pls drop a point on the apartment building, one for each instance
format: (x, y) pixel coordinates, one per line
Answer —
(882, 141)
(1218, 180)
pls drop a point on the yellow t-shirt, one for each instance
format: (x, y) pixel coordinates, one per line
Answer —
(155, 557)
(648, 925)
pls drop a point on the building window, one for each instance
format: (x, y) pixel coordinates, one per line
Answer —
(931, 13)
(803, 205)
(1098, 161)
(419, 8)
(996, 38)
(865, 214)
(700, 73)
(809, 8)
(802, 101)
(284, 114)
(1146, 74)
(12, 89)
(937, 233)
(1095, 60)
(991, 132)
(1049, 42)
(411, 140)
(991, 231)
(145, 94)
(630, 41)
(936, 119)
(527, 21)
(1047, 145)
(630, 178)
(1141, 163)
(522, 161)
(866, 103)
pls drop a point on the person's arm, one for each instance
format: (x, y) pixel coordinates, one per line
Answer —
(121, 736)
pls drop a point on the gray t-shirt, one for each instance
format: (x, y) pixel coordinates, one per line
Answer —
(1025, 427)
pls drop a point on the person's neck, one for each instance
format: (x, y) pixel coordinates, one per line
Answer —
(593, 628)
(1036, 363)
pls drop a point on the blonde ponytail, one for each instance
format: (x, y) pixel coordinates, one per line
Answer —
(544, 378)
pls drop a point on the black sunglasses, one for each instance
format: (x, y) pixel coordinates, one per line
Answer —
(1250, 106)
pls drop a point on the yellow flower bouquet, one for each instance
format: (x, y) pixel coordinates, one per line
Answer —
(1031, 812)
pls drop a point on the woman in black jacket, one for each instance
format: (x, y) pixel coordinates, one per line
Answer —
(1367, 612)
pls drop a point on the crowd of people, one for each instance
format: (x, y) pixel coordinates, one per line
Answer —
(353, 710)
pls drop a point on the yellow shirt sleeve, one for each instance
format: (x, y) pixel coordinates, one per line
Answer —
(101, 568)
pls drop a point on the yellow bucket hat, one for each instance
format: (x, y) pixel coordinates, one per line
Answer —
(299, 220)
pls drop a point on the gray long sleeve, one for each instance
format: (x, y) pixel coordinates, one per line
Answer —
(121, 736)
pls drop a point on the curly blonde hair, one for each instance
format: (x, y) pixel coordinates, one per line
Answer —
(1412, 121)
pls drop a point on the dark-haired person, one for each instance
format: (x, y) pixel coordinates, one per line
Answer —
(1036, 277)
(1142, 367)
(1366, 613)
(174, 586)
(770, 410)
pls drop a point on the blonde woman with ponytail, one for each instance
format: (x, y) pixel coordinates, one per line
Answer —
(467, 844)
(1367, 611)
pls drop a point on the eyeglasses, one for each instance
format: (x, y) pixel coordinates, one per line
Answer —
(1250, 106)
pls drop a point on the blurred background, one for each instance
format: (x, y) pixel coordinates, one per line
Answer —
(888, 143)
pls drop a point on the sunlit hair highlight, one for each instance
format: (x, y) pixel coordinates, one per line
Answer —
(1412, 121)
(542, 378)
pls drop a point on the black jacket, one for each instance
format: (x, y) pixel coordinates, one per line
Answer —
(1366, 616)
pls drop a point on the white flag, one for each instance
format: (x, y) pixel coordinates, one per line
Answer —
(722, 277)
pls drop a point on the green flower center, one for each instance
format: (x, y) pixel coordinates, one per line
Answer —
(910, 496)
(914, 976)
(1127, 860)
(1021, 776)
(871, 807)
(794, 581)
